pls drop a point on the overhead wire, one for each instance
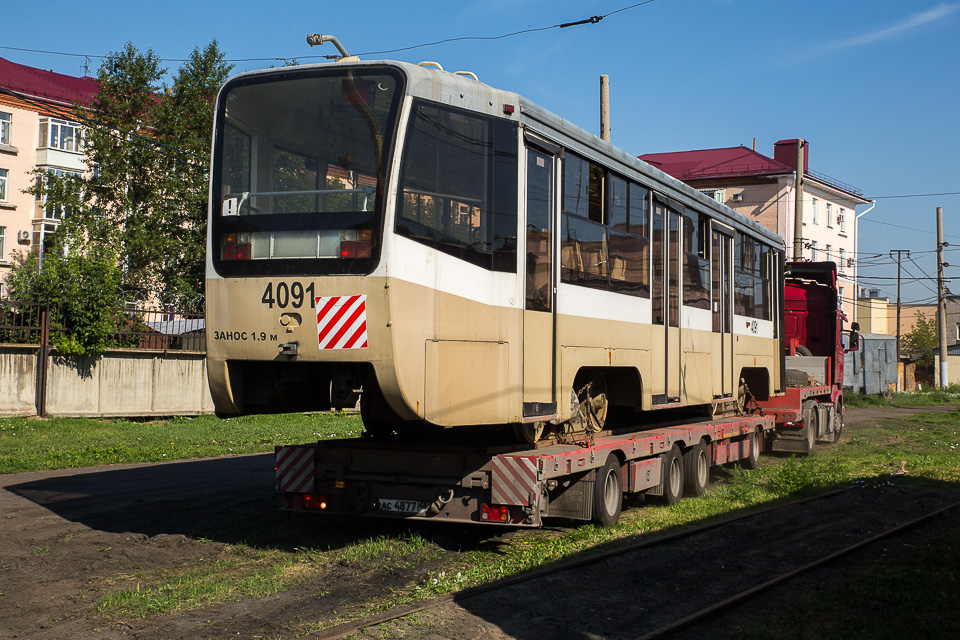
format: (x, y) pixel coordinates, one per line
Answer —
(586, 21)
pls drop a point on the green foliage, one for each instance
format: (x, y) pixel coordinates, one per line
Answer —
(84, 292)
(922, 341)
(146, 201)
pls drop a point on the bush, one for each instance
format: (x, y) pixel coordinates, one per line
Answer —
(83, 292)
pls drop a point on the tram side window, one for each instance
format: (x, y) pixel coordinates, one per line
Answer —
(603, 218)
(752, 293)
(459, 185)
(696, 266)
(743, 293)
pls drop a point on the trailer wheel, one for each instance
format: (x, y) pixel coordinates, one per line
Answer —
(608, 493)
(811, 425)
(752, 461)
(696, 470)
(672, 476)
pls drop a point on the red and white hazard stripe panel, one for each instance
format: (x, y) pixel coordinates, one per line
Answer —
(342, 322)
(513, 480)
(295, 469)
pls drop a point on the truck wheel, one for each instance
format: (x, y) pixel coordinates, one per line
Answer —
(608, 493)
(837, 422)
(696, 470)
(672, 476)
(752, 461)
(803, 351)
(811, 425)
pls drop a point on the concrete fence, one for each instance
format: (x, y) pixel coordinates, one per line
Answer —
(123, 382)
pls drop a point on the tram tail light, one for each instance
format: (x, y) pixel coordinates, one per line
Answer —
(315, 502)
(490, 513)
(236, 246)
(356, 244)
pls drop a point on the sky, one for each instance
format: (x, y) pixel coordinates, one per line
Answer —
(872, 85)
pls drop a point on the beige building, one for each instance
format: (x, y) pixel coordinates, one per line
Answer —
(764, 189)
(38, 129)
(873, 315)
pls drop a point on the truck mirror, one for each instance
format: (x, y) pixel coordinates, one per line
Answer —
(855, 326)
(854, 338)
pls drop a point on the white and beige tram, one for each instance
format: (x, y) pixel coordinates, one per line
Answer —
(466, 257)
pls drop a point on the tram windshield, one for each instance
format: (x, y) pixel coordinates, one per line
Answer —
(300, 163)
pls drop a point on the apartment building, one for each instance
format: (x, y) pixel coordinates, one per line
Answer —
(38, 129)
(764, 189)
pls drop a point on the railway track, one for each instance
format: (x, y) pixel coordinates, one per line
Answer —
(816, 553)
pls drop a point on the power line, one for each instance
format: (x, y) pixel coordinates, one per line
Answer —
(585, 21)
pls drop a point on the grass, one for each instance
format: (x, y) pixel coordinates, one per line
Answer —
(61, 443)
(927, 398)
(276, 552)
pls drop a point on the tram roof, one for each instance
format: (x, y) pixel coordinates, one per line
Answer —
(464, 91)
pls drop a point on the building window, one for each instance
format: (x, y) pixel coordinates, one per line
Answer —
(829, 215)
(60, 134)
(813, 250)
(720, 195)
(840, 221)
(840, 294)
(53, 211)
(3, 189)
(3, 243)
(5, 128)
(816, 204)
(840, 262)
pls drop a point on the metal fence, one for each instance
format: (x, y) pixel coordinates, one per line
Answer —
(134, 327)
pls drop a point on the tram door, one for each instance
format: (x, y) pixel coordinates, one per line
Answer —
(721, 267)
(539, 326)
(665, 297)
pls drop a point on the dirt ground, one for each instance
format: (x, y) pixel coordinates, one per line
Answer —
(67, 536)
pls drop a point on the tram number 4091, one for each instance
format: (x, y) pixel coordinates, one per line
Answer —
(283, 295)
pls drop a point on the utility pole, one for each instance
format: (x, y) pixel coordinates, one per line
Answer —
(941, 301)
(798, 205)
(898, 252)
(605, 108)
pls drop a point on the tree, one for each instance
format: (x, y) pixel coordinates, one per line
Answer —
(145, 199)
(922, 341)
(184, 120)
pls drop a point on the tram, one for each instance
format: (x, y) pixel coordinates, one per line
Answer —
(462, 256)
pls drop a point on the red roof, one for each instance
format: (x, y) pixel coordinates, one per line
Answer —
(46, 86)
(714, 163)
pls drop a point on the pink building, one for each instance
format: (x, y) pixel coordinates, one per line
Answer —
(764, 190)
(38, 129)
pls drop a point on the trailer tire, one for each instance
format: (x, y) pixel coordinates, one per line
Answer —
(672, 476)
(608, 493)
(696, 470)
(803, 351)
(752, 461)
